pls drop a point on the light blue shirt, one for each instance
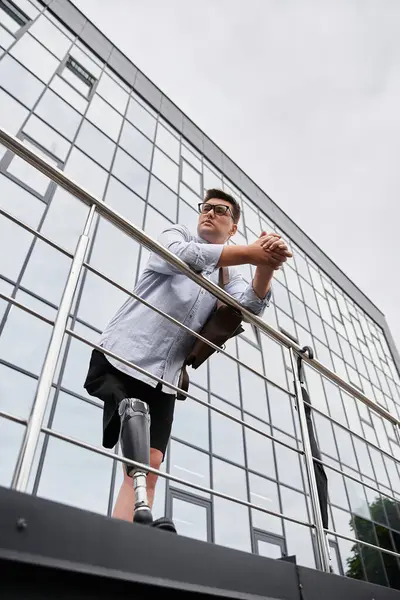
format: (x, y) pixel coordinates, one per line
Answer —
(146, 338)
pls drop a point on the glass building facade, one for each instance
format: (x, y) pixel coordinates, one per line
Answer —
(68, 94)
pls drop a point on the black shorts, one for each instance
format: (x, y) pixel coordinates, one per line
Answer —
(111, 386)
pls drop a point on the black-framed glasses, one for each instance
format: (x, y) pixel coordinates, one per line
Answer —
(219, 209)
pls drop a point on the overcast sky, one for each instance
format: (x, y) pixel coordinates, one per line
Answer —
(304, 95)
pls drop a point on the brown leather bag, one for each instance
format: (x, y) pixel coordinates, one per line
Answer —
(223, 324)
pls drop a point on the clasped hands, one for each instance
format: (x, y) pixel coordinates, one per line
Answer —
(275, 248)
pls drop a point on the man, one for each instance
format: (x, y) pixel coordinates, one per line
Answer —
(153, 343)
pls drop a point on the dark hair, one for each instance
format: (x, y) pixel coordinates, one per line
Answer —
(221, 195)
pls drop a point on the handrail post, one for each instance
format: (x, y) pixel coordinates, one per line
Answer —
(35, 422)
(322, 543)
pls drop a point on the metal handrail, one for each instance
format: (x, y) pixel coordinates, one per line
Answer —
(16, 146)
(133, 463)
(212, 407)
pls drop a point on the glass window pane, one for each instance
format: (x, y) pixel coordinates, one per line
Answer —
(162, 198)
(136, 144)
(190, 519)
(125, 202)
(65, 219)
(188, 216)
(191, 177)
(345, 447)
(253, 387)
(19, 82)
(46, 272)
(12, 114)
(86, 173)
(65, 91)
(323, 430)
(190, 197)
(269, 549)
(299, 542)
(105, 117)
(11, 435)
(190, 465)
(47, 137)
(131, 172)
(110, 244)
(281, 410)
(14, 244)
(251, 219)
(231, 524)
(260, 456)
(196, 414)
(17, 392)
(224, 377)
(336, 489)
(84, 481)
(141, 118)
(20, 203)
(76, 82)
(78, 359)
(293, 281)
(24, 340)
(95, 313)
(264, 493)
(227, 435)
(288, 462)
(165, 169)
(28, 174)
(58, 114)
(95, 144)
(35, 57)
(229, 479)
(273, 361)
(281, 297)
(50, 36)
(358, 501)
(167, 142)
(190, 156)
(211, 179)
(112, 92)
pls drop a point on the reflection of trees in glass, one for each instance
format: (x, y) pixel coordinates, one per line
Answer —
(370, 563)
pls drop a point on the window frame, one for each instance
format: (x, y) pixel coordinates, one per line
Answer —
(259, 535)
(17, 14)
(177, 494)
(79, 71)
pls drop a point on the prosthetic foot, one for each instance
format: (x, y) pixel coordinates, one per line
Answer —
(135, 445)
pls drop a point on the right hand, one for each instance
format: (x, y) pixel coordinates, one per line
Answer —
(260, 253)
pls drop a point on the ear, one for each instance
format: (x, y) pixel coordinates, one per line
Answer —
(233, 230)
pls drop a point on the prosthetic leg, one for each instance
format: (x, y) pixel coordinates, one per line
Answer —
(135, 445)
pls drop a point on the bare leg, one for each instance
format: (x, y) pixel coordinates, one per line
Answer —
(126, 497)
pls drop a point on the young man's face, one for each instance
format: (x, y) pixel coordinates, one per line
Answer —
(216, 223)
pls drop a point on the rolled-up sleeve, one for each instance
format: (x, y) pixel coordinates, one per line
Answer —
(244, 293)
(202, 257)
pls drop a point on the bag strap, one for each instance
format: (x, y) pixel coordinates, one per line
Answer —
(223, 278)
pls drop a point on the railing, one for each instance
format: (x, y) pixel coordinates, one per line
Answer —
(34, 424)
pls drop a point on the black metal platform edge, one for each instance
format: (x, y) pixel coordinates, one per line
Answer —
(46, 534)
(317, 585)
